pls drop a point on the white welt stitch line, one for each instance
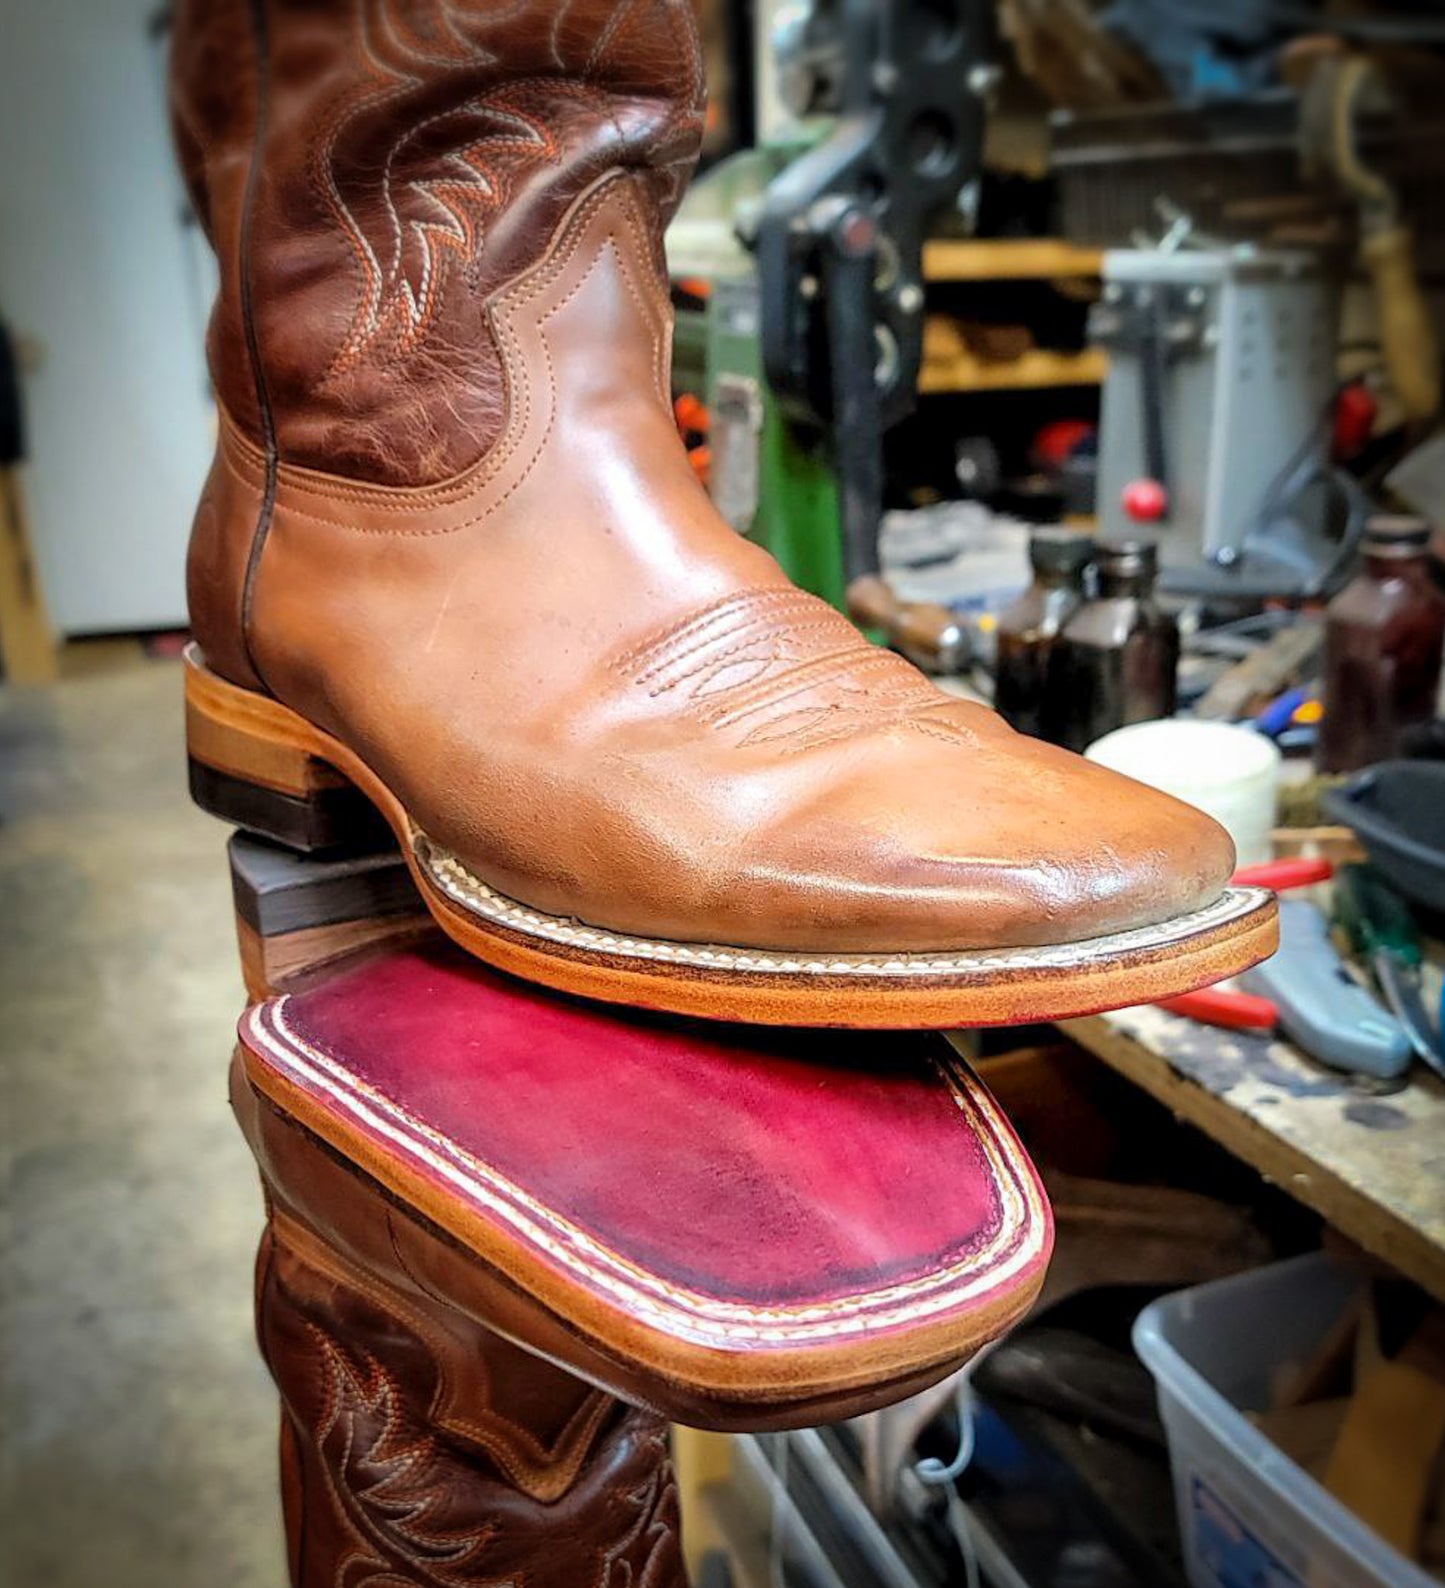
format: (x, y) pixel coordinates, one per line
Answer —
(1011, 1199)
(798, 1323)
(468, 890)
(708, 1333)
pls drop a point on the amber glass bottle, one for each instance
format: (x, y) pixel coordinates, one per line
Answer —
(1117, 658)
(1384, 633)
(1029, 629)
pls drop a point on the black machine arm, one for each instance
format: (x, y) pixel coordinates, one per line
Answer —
(840, 238)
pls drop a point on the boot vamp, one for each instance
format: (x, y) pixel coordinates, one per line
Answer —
(774, 784)
(580, 681)
(899, 839)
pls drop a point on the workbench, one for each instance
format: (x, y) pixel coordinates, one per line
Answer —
(1370, 1163)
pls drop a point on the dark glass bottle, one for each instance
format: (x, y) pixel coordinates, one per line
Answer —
(1117, 659)
(1384, 634)
(1029, 628)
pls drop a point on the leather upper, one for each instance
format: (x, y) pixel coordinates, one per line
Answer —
(574, 675)
(419, 1447)
(407, 158)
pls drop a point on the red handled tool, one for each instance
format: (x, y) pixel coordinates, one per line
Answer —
(1241, 1011)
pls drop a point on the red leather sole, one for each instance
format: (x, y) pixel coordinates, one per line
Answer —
(258, 745)
(739, 1228)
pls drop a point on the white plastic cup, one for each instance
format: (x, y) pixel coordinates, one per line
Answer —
(1229, 772)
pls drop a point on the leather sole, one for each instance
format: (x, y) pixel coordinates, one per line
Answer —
(258, 764)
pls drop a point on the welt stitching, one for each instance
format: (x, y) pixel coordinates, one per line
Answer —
(699, 1303)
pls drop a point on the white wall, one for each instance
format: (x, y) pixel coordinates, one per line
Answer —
(97, 272)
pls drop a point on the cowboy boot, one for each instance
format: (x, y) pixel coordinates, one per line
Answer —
(420, 1449)
(451, 555)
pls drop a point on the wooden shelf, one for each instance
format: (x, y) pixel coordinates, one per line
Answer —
(949, 365)
(1370, 1166)
(1007, 259)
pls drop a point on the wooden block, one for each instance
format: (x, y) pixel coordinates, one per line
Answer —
(1383, 1462)
(296, 914)
(27, 646)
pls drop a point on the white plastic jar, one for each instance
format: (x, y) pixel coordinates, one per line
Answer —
(1231, 773)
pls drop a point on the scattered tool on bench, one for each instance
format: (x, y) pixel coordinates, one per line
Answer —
(1305, 991)
(1322, 1008)
(1242, 1011)
(1380, 929)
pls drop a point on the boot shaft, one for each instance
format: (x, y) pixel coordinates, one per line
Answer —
(372, 172)
(420, 1448)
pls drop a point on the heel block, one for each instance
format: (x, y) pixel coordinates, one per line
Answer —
(253, 763)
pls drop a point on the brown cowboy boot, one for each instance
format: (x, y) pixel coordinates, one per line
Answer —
(451, 554)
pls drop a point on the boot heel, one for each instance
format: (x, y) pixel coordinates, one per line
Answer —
(251, 765)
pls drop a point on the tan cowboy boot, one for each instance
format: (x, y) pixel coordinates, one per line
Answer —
(451, 555)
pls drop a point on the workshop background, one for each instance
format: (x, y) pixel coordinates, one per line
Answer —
(1089, 355)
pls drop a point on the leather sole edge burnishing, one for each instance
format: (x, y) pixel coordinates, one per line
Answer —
(466, 889)
(256, 741)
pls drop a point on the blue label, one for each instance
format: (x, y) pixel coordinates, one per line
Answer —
(1228, 1551)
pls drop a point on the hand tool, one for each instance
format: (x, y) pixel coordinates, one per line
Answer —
(1219, 1006)
(1279, 713)
(1381, 931)
(1241, 1011)
(1322, 1007)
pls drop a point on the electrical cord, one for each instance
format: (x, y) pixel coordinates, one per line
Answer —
(945, 1475)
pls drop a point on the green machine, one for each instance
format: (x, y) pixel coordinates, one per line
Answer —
(805, 334)
(771, 476)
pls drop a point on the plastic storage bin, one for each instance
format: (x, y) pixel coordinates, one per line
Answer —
(1249, 1516)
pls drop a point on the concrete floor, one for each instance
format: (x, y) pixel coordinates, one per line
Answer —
(138, 1424)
